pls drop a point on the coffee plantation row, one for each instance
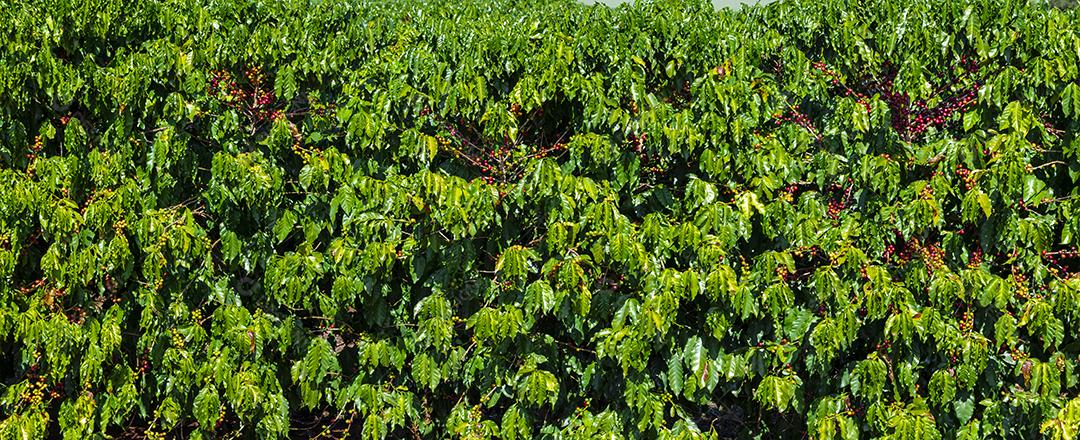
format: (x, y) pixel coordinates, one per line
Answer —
(826, 219)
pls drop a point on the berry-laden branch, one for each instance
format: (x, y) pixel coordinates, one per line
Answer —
(841, 199)
(1064, 262)
(251, 94)
(912, 118)
(652, 167)
(798, 117)
(503, 162)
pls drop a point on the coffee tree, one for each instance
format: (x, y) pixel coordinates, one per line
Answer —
(539, 219)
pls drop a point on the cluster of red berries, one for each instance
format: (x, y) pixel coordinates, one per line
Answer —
(968, 64)
(823, 68)
(1022, 205)
(900, 104)
(783, 273)
(906, 250)
(966, 320)
(493, 164)
(965, 175)
(1020, 283)
(218, 77)
(496, 164)
(794, 116)
(834, 79)
(853, 410)
(883, 345)
(838, 204)
(910, 118)
(549, 150)
(976, 259)
(255, 97)
(933, 256)
(75, 315)
(143, 363)
(788, 193)
(264, 98)
(953, 359)
(927, 192)
(637, 145)
(939, 115)
(35, 148)
(501, 164)
(890, 250)
(1060, 260)
(1050, 128)
(32, 287)
(835, 206)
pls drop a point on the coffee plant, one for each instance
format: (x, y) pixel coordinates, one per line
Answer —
(826, 219)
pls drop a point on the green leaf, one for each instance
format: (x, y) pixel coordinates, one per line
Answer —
(697, 360)
(539, 297)
(675, 374)
(747, 202)
(1035, 190)
(539, 387)
(515, 424)
(426, 371)
(284, 225)
(860, 118)
(942, 387)
(775, 392)
(1070, 100)
(206, 408)
(972, 119)
(797, 323)
(1016, 118)
(964, 409)
(516, 262)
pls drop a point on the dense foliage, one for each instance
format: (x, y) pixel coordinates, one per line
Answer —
(513, 219)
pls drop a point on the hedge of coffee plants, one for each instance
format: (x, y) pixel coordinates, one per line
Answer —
(825, 219)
